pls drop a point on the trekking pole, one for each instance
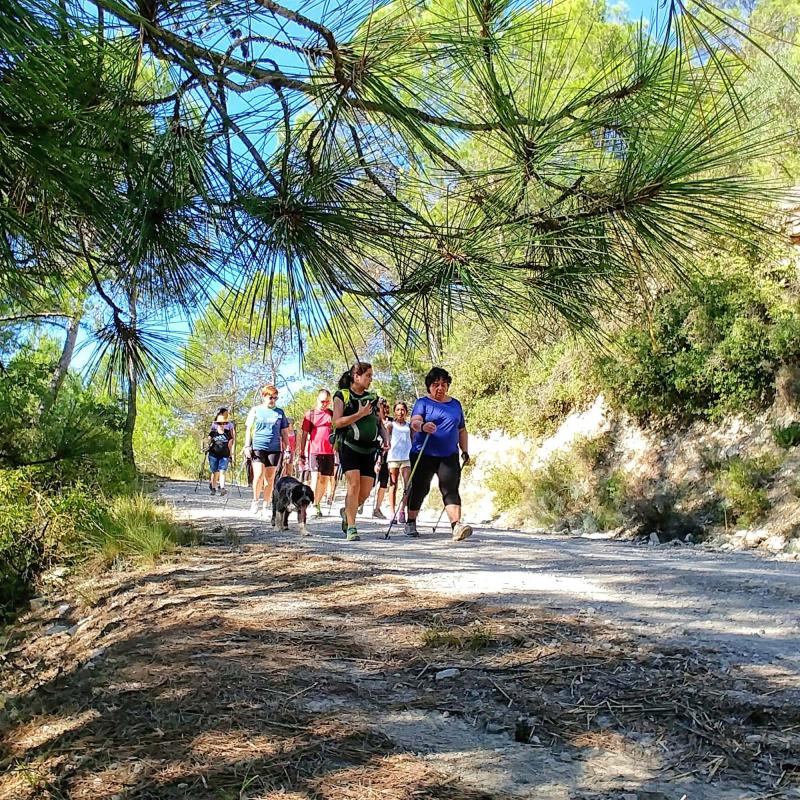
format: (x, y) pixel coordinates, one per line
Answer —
(407, 489)
(441, 514)
(200, 471)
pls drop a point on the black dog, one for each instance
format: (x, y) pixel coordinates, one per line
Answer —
(287, 495)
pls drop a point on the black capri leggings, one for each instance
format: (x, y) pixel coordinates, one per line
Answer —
(448, 470)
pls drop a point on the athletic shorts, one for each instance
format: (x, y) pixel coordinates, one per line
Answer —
(383, 474)
(363, 462)
(218, 463)
(267, 457)
(321, 463)
(399, 464)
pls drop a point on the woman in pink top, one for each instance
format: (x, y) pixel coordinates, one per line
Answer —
(316, 429)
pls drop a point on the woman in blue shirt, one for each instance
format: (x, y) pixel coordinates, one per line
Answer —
(266, 435)
(441, 418)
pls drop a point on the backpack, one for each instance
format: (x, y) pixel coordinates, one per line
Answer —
(349, 432)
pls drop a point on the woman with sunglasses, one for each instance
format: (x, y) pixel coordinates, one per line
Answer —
(266, 435)
(316, 432)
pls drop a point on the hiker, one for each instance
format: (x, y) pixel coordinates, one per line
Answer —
(359, 432)
(219, 454)
(439, 431)
(266, 437)
(398, 456)
(229, 426)
(382, 464)
(315, 434)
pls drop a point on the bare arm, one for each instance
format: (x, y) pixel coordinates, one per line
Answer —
(463, 441)
(303, 437)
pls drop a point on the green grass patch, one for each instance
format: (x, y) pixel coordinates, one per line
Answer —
(473, 637)
(137, 527)
(742, 484)
(787, 436)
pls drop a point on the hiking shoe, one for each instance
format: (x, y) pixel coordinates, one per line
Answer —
(254, 507)
(401, 517)
(378, 514)
(461, 531)
(317, 510)
(223, 492)
(343, 515)
(411, 529)
(211, 489)
(352, 534)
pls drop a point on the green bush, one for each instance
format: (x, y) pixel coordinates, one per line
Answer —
(709, 350)
(742, 482)
(573, 485)
(788, 436)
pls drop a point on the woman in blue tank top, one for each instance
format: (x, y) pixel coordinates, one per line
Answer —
(438, 425)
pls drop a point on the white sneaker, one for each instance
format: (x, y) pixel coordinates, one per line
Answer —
(254, 507)
(461, 532)
(266, 513)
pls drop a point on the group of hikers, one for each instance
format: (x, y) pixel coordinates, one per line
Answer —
(352, 433)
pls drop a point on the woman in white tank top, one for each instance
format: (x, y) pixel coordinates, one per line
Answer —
(399, 454)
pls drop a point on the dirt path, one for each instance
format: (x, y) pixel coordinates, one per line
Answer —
(743, 606)
(261, 667)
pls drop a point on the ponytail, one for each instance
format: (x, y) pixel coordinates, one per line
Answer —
(359, 368)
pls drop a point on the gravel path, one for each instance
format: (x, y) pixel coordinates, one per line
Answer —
(741, 606)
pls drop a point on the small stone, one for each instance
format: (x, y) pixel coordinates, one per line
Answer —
(183, 785)
(38, 603)
(654, 538)
(565, 757)
(62, 609)
(535, 739)
(443, 674)
(494, 727)
(689, 539)
(56, 630)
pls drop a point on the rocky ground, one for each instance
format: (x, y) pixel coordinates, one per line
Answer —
(511, 665)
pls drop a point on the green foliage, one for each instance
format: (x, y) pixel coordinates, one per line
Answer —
(786, 436)
(742, 484)
(135, 527)
(472, 637)
(575, 486)
(80, 425)
(508, 386)
(709, 350)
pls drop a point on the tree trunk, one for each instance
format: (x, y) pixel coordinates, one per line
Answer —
(130, 418)
(57, 381)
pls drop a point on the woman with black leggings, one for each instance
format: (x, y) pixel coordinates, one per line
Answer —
(437, 422)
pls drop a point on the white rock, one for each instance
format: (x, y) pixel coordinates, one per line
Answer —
(55, 630)
(654, 538)
(443, 674)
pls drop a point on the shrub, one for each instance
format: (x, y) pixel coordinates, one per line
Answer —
(573, 485)
(788, 436)
(136, 526)
(742, 483)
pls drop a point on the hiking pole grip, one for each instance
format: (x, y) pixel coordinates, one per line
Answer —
(407, 489)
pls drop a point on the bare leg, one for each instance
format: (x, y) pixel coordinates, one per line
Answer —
(269, 477)
(352, 501)
(364, 489)
(379, 495)
(258, 480)
(394, 476)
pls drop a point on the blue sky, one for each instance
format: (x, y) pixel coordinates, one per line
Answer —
(632, 9)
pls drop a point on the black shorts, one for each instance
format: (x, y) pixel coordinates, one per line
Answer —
(267, 457)
(383, 473)
(363, 462)
(319, 462)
